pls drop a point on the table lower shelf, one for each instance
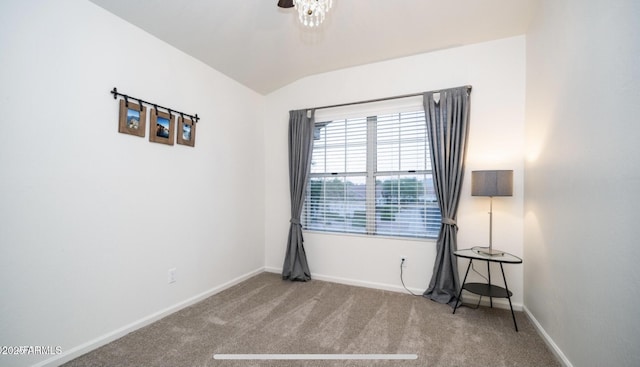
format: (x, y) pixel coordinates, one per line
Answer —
(487, 290)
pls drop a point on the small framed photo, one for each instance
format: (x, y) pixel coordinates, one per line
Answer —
(133, 118)
(186, 131)
(161, 127)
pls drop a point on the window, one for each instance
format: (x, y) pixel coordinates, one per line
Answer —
(372, 175)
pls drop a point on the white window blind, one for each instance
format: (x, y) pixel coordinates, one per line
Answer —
(372, 175)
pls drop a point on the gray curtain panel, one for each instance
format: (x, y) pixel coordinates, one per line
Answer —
(300, 148)
(447, 117)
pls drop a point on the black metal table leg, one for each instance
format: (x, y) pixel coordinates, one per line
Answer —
(509, 297)
(486, 288)
(462, 286)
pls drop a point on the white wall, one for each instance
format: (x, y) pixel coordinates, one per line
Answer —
(582, 179)
(496, 70)
(91, 220)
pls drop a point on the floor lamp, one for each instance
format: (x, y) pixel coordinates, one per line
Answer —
(491, 183)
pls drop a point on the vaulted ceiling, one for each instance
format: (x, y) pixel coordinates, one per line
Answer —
(264, 47)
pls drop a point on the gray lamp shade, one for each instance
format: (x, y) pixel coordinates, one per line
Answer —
(492, 183)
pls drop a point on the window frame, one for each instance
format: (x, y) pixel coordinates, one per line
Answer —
(371, 179)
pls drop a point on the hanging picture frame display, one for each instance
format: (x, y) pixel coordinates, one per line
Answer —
(186, 131)
(133, 118)
(161, 127)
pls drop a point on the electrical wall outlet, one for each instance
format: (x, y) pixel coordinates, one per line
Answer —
(171, 276)
(403, 261)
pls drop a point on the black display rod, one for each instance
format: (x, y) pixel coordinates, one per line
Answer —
(115, 93)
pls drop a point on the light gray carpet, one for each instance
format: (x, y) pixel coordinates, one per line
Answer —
(268, 315)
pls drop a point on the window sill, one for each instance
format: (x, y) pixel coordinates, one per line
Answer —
(381, 237)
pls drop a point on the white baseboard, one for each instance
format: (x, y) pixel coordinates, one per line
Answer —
(470, 298)
(79, 350)
(547, 339)
(356, 282)
(118, 333)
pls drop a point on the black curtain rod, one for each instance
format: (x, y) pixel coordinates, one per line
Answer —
(115, 93)
(387, 98)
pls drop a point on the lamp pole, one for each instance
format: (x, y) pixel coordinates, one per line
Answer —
(490, 251)
(490, 224)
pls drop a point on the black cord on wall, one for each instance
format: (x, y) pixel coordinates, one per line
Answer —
(402, 281)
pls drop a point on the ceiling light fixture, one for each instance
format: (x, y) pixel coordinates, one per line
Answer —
(310, 12)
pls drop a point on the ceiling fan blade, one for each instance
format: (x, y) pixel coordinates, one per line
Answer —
(285, 3)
